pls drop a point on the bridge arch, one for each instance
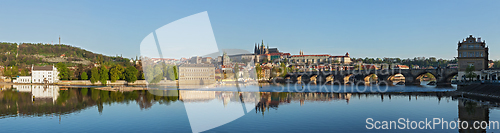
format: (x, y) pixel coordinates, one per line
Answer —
(348, 78)
(330, 78)
(450, 77)
(313, 78)
(371, 78)
(397, 79)
(425, 78)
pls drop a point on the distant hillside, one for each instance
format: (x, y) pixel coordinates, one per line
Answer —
(46, 54)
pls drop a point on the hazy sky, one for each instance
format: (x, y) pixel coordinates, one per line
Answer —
(374, 28)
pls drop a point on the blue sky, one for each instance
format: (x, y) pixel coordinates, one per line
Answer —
(382, 28)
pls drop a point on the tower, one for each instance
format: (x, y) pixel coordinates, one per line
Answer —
(472, 52)
(59, 40)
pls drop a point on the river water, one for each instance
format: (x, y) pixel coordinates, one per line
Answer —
(309, 108)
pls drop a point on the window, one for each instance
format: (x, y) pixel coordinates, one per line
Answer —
(471, 46)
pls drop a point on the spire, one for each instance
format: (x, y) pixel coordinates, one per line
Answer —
(255, 49)
(262, 43)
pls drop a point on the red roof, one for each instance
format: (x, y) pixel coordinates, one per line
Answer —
(401, 66)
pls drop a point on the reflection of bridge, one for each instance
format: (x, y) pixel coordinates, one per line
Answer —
(412, 76)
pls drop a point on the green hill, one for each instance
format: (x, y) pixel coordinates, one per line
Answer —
(26, 54)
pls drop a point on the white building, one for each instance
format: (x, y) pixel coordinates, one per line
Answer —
(44, 74)
(22, 79)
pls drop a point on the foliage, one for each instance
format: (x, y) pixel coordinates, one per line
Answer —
(63, 71)
(469, 72)
(258, 70)
(236, 71)
(174, 68)
(25, 72)
(116, 73)
(29, 54)
(12, 71)
(103, 72)
(284, 69)
(84, 76)
(94, 77)
(131, 74)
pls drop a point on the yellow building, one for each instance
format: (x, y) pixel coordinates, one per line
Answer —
(196, 74)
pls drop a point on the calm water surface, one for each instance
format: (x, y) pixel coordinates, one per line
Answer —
(60, 109)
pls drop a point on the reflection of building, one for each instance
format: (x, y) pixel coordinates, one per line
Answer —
(40, 92)
(196, 74)
(44, 74)
(196, 96)
(471, 111)
(274, 99)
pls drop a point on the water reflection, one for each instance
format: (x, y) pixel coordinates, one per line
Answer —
(471, 111)
(39, 100)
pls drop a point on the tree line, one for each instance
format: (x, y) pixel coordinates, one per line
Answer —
(101, 73)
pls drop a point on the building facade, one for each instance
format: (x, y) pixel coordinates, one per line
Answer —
(196, 74)
(472, 52)
(22, 79)
(44, 74)
(319, 59)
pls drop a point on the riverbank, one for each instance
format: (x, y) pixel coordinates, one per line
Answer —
(484, 90)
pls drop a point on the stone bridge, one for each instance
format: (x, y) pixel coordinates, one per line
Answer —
(412, 76)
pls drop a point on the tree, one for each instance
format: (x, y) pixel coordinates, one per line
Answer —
(171, 73)
(131, 74)
(116, 72)
(25, 72)
(84, 76)
(103, 72)
(284, 70)
(71, 75)
(63, 71)
(94, 75)
(236, 71)
(258, 70)
(175, 72)
(469, 72)
(79, 70)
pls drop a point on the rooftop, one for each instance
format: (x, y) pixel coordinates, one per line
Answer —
(42, 68)
(196, 65)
